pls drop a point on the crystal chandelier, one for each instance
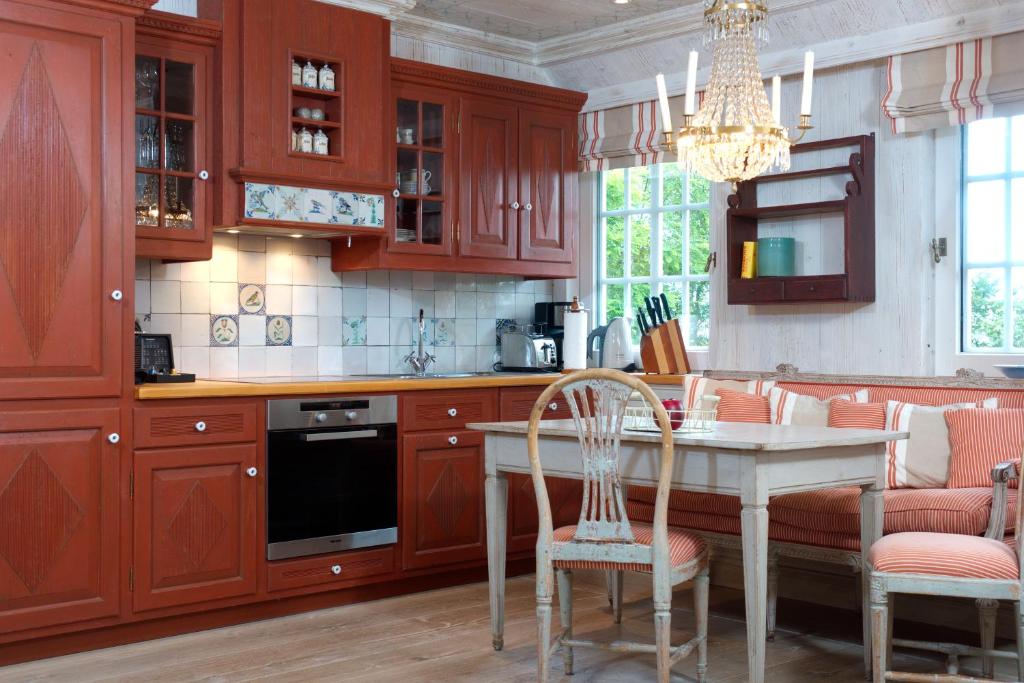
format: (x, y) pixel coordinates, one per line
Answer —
(737, 134)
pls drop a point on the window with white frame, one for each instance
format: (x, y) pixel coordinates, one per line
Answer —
(992, 237)
(653, 228)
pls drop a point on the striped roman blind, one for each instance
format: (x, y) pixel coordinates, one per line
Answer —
(955, 84)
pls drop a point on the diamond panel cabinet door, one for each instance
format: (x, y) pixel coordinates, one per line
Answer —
(59, 524)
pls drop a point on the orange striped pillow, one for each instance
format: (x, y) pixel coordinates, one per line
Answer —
(737, 406)
(852, 415)
(980, 439)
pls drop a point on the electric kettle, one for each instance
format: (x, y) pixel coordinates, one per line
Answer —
(610, 346)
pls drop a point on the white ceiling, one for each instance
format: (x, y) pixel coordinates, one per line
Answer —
(537, 20)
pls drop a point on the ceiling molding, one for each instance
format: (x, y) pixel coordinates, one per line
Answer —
(843, 51)
(385, 8)
(434, 31)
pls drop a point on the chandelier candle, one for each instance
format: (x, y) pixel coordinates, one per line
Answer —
(666, 113)
(777, 100)
(691, 84)
(805, 101)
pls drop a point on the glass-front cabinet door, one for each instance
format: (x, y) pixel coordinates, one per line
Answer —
(424, 139)
(170, 148)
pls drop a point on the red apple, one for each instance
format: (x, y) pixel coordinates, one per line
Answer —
(675, 411)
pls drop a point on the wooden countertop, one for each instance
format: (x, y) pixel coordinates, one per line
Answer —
(204, 388)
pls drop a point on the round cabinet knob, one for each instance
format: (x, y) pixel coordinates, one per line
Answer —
(252, 472)
(336, 569)
(117, 295)
(351, 415)
(453, 440)
(528, 207)
(204, 175)
(321, 417)
(114, 438)
(200, 426)
(452, 412)
(515, 205)
(395, 193)
(552, 406)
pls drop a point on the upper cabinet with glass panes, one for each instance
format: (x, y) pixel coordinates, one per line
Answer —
(171, 148)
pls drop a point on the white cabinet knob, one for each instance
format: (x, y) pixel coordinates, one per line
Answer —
(528, 207)
(204, 175)
(336, 569)
(117, 295)
(252, 472)
(114, 438)
(452, 412)
(395, 193)
(453, 440)
(552, 406)
(514, 205)
(200, 426)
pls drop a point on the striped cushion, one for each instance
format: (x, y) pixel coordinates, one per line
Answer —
(922, 461)
(682, 548)
(790, 408)
(851, 415)
(964, 511)
(981, 439)
(922, 396)
(737, 407)
(944, 555)
(696, 387)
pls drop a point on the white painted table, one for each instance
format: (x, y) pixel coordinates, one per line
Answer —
(752, 461)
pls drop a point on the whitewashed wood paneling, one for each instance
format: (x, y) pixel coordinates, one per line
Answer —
(892, 335)
(187, 7)
(408, 47)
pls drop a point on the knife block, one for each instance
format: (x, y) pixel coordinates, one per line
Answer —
(662, 351)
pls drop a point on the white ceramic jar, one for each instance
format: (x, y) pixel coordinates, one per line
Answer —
(326, 77)
(309, 75)
(296, 73)
(320, 142)
(305, 141)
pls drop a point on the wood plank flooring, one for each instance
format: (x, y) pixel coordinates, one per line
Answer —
(444, 635)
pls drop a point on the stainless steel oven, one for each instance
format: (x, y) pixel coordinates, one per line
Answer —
(332, 474)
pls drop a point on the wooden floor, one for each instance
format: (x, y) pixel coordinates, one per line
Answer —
(444, 636)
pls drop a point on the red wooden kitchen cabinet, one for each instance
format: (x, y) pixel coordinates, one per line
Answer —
(59, 516)
(198, 512)
(548, 220)
(65, 160)
(443, 499)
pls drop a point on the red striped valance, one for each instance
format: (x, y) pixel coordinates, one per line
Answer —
(623, 137)
(956, 84)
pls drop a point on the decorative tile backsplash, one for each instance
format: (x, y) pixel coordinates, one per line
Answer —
(310, 205)
(273, 307)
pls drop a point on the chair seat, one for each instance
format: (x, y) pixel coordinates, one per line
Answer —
(953, 555)
(683, 547)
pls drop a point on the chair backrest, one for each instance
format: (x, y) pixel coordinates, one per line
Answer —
(598, 399)
(1018, 534)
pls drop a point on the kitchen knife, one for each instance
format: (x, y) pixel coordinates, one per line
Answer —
(657, 310)
(664, 307)
(642, 322)
(650, 311)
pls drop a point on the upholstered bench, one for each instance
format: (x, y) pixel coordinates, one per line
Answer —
(824, 525)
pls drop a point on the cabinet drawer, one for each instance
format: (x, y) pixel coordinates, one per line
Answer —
(330, 571)
(817, 289)
(192, 425)
(754, 291)
(448, 409)
(517, 404)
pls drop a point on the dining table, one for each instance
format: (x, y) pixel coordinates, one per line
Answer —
(751, 461)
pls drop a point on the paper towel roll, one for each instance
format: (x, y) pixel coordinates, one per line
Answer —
(574, 344)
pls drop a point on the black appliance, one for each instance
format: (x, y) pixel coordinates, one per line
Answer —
(332, 474)
(548, 320)
(154, 360)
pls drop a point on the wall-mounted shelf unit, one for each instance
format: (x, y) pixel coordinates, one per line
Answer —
(329, 101)
(744, 220)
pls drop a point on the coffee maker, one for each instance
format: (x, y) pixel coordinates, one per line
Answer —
(548, 319)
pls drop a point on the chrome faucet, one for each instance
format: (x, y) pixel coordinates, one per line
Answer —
(420, 361)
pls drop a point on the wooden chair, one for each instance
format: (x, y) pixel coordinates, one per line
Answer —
(604, 539)
(952, 565)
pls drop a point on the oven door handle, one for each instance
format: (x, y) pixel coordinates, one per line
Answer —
(339, 436)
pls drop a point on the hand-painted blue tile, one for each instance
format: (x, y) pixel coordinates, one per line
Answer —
(353, 331)
(289, 203)
(345, 208)
(223, 330)
(279, 330)
(260, 201)
(317, 206)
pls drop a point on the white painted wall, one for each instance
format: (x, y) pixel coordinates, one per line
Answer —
(894, 335)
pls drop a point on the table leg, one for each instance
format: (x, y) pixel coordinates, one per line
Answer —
(754, 527)
(871, 516)
(496, 497)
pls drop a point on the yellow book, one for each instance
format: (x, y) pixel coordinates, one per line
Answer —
(748, 267)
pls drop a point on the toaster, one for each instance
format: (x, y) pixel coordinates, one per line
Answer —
(521, 350)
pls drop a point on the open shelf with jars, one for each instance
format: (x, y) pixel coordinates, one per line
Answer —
(316, 103)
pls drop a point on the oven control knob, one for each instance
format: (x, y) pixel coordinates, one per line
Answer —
(321, 417)
(336, 569)
(351, 415)
(252, 472)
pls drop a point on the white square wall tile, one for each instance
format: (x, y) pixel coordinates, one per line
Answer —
(224, 298)
(304, 331)
(328, 331)
(252, 267)
(378, 278)
(142, 268)
(465, 332)
(304, 270)
(485, 332)
(252, 361)
(195, 271)
(195, 360)
(444, 281)
(353, 360)
(223, 362)
(329, 301)
(195, 330)
(378, 331)
(505, 305)
(486, 305)
(279, 361)
(422, 280)
(524, 307)
(167, 323)
(486, 356)
(465, 282)
(465, 304)
(279, 268)
(355, 278)
(400, 279)
(402, 332)
(378, 301)
(165, 296)
(252, 330)
(444, 304)
(279, 300)
(325, 277)
(329, 360)
(304, 361)
(164, 271)
(353, 302)
(445, 357)
(465, 359)
(142, 301)
(378, 359)
(252, 243)
(224, 264)
(423, 300)
(400, 302)
(303, 300)
(195, 297)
